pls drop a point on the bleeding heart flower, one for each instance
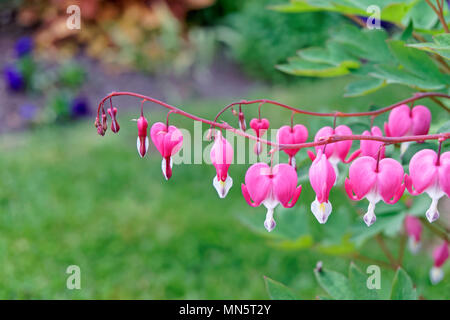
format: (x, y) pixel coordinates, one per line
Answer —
(114, 124)
(288, 135)
(168, 141)
(375, 181)
(142, 140)
(371, 148)
(221, 157)
(413, 229)
(403, 121)
(440, 255)
(242, 124)
(336, 151)
(427, 174)
(260, 126)
(322, 178)
(271, 186)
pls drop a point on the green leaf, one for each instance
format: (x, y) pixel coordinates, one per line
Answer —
(301, 67)
(277, 290)
(422, 16)
(363, 87)
(302, 242)
(444, 128)
(358, 284)
(440, 46)
(335, 284)
(402, 287)
(359, 127)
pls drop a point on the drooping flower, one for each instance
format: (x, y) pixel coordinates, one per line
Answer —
(142, 139)
(271, 186)
(221, 157)
(413, 229)
(440, 255)
(322, 178)
(375, 181)
(336, 151)
(114, 124)
(242, 124)
(404, 121)
(260, 126)
(371, 148)
(168, 141)
(427, 174)
(294, 135)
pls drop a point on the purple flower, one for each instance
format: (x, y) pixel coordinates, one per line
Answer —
(79, 107)
(24, 46)
(28, 111)
(13, 78)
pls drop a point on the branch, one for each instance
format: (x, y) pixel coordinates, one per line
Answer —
(386, 250)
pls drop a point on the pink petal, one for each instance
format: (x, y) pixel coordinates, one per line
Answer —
(325, 132)
(421, 119)
(295, 135)
(221, 156)
(422, 169)
(390, 178)
(322, 177)
(362, 175)
(444, 172)
(440, 254)
(399, 122)
(284, 183)
(370, 148)
(343, 147)
(258, 182)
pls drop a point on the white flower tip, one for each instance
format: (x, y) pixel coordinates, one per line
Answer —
(432, 214)
(138, 144)
(269, 223)
(413, 245)
(370, 218)
(222, 187)
(321, 210)
(436, 275)
(164, 167)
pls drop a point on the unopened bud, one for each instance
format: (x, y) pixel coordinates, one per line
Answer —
(242, 124)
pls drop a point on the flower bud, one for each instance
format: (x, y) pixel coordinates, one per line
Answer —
(114, 124)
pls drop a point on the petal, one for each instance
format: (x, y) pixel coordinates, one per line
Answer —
(369, 217)
(284, 183)
(422, 169)
(399, 122)
(222, 187)
(362, 175)
(325, 132)
(322, 176)
(421, 119)
(432, 213)
(321, 210)
(444, 172)
(258, 182)
(436, 275)
(390, 178)
(269, 223)
(166, 167)
(343, 147)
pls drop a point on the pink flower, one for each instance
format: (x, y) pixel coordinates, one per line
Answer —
(440, 255)
(221, 157)
(375, 182)
(428, 175)
(142, 140)
(242, 124)
(114, 124)
(336, 151)
(322, 178)
(288, 135)
(260, 126)
(371, 148)
(168, 141)
(413, 229)
(404, 122)
(271, 186)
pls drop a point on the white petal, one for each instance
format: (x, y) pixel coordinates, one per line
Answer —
(163, 166)
(269, 223)
(369, 217)
(404, 146)
(293, 162)
(436, 275)
(321, 210)
(138, 144)
(146, 144)
(432, 212)
(413, 245)
(222, 187)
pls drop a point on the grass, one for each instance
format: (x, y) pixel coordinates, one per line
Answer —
(69, 197)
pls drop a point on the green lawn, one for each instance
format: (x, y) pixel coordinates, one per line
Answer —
(68, 196)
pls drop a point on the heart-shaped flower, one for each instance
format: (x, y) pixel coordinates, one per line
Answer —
(427, 174)
(168, 141)
(336, 151)
(292, 135)
(413, 229)
(260, 126)
(371, 148)
(271, 186)
(375, 181)
(221, 157)
(322, 178)
(440, 255)
(114, 124)
(404, 121)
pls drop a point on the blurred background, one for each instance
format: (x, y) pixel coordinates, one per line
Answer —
(68, 196)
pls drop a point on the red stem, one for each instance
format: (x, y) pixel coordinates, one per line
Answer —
(323, 141)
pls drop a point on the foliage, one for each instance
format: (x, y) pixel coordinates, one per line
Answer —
(376, 57)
